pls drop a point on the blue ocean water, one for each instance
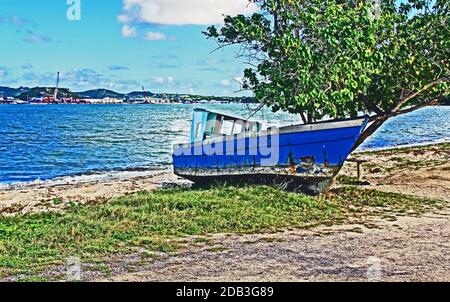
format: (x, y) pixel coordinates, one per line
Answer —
(46, 142)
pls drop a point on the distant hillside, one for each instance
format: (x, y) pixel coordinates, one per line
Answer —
(12, 92)
(139, 94)
(100, 94)
(25, 93)
(38, 92)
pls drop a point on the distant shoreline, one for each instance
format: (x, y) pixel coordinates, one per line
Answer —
(53, 95)
(119, 103)
(143, 103)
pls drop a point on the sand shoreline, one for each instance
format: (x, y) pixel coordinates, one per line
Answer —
(86, 178)
(417, 170)
(125, 174)
(422, 171)
(54, 196)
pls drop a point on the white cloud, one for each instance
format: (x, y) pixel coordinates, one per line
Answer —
(14, 21)
(155, 36)
(162, 80)
(36, 38)
(123, 18)
(26, 66)
(182, 12)
(129, 31)
(4, 73)
(79, 80)
(225, 82)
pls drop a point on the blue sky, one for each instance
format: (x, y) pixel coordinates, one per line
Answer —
(118, 44)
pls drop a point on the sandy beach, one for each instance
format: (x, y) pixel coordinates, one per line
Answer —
(409, 249)
(422, 171)
(53, 196)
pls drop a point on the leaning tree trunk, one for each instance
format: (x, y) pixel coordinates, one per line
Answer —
(369, 131)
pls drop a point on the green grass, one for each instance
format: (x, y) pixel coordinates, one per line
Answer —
(400, 158)
(57, 201)
(158, 221)
(442, 147)
(384, 203)
(349, 180)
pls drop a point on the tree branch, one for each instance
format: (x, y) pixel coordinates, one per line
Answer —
(414, 94)
(432, 102)
(378, 121)
(302, 115)
(372, 106)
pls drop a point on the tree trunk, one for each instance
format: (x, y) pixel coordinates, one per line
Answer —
(275, 16)
(302, 115)
(369, 131)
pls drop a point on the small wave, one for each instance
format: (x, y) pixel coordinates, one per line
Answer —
(89, 177)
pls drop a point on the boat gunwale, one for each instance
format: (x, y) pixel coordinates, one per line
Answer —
(221, 113)
(298, 128)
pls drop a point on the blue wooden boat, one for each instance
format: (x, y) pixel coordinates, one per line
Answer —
(303, 157)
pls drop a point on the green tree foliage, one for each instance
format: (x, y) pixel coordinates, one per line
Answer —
(337, 58)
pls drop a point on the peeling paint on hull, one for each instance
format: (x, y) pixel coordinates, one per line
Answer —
(314, 181)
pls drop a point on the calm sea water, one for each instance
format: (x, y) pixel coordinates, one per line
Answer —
(46, 142)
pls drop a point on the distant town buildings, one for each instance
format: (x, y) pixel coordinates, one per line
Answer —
(107, 100)
(46, 95)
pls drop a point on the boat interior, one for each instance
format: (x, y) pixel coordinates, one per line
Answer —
(208, 124)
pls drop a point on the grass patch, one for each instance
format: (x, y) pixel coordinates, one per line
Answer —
(271, 240)
(350, 180)
(406, 164)
(201, 240)
(99, 267)
(156, 220)
(437, 147)
(217, 249)
(383, 203)
(57, 201)
(407, 158)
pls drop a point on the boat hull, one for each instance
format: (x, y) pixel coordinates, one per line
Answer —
(302, 158)
(293, 183)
